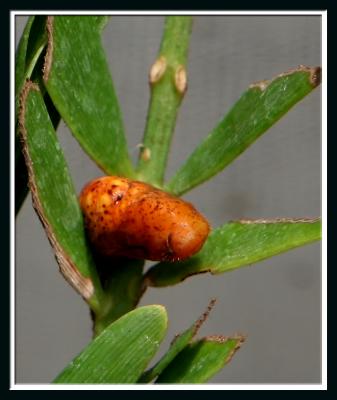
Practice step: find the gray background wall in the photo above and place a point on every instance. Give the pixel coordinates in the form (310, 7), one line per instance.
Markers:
(276, 302)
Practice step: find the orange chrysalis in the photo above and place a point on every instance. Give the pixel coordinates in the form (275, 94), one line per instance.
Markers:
(134, 219)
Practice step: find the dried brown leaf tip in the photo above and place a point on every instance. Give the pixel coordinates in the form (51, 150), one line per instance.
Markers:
(222, 339)
(136, 220)
(308, 220)
(239, 338)
(50, 48)
(314, 74)
(200, 320)
(204, 316)
(262, 85)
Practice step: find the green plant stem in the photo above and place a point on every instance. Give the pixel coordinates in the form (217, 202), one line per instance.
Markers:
(168, 85)
(122, 285)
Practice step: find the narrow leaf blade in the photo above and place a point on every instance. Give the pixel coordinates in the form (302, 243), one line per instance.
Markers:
(237, 244)
(177, 345)
(27, 60)
(263, 104)
(30, 47)
(78, 80)
(200, 360)
(101, 21)
(122, 351)
(54, 196)
(21, 177)
(20, 59)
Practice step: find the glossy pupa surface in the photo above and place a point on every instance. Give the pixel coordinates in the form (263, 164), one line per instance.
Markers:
(134, 219)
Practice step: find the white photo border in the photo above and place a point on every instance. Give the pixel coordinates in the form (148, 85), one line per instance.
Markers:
(323, 384)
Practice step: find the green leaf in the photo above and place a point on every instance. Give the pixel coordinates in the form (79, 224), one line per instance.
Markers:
(122, 351)
(200, 360)
(101, 21)
(177, 345)
(21, 177)
(27, 65)
(30, 47)
(77, 78)
(54, 196)
(237, 244)
(258, 109)
(20, 60)
(168, 86)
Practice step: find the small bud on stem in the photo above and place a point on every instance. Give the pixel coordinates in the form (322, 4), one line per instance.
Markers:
(157, 70)
(180, 79)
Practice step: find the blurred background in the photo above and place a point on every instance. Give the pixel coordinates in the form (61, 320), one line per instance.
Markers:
(276, 303)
